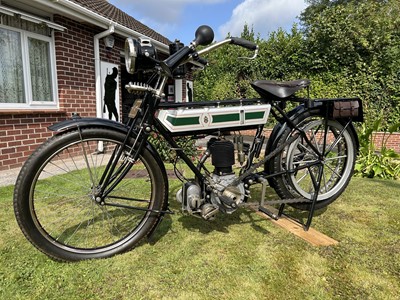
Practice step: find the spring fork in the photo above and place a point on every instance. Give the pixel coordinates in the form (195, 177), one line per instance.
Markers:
(109, 175)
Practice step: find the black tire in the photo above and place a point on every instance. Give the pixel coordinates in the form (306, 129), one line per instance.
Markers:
(55, 203)
(339, 159)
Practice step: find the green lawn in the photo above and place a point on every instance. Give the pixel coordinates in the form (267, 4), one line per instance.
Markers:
(239, 256)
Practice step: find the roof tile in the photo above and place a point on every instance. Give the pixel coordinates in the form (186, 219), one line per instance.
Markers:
(105, 9)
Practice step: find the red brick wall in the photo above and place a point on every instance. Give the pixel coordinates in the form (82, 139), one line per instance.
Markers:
(393, 141)
(22, 131)
(75, 68)
(20, 134)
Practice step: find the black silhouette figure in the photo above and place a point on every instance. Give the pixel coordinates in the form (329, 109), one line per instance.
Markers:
(189, 92)
(110, 86)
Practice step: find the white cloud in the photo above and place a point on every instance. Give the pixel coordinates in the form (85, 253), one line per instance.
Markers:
(264, 16)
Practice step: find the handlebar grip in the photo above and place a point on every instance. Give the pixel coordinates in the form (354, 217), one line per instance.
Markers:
(244, 43)
(203, 61)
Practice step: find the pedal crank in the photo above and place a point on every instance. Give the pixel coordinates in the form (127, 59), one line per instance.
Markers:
(282, 202)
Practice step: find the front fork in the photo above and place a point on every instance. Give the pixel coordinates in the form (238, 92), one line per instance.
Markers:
(112, 175)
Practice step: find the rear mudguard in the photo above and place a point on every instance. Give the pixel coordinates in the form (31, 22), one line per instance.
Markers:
(317, 109)
(74, 123)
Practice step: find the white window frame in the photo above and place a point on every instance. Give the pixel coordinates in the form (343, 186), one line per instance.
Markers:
(29, 102)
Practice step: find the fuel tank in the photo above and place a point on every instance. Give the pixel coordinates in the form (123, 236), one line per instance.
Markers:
(198, 119)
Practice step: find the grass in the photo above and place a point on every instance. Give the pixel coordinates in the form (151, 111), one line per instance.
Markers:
(238, 256)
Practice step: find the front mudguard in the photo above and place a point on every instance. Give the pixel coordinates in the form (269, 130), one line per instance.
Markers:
(87, 122)
(76, 123)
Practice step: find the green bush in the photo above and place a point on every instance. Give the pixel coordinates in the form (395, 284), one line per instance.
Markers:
(347, 48)
(164, 149)
(372, 163)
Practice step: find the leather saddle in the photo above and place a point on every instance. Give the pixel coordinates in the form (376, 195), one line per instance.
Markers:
(279, 89)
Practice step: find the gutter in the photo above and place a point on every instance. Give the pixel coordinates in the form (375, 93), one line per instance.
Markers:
(97, 68)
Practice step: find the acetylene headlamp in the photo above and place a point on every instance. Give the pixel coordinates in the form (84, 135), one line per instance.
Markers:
(139, 55)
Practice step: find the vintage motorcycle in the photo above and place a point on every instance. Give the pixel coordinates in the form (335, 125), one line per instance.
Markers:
(98, 187)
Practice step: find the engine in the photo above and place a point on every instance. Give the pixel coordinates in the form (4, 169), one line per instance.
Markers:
(218, 193)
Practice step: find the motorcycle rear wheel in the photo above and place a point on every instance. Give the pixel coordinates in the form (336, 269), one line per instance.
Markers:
(339, 148)
(56, 199)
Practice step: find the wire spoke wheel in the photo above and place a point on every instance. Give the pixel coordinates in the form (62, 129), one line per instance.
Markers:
(337, 160)
(329, 145)
(71, 218)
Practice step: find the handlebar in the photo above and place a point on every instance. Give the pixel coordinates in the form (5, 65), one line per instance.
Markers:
(232, 40)
(202, 61)
(198, 61)
(172, 62)
(244, 43)
(189, 53)
(142, 56)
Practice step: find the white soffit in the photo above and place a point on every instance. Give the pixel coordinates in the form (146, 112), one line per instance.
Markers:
(30, 18)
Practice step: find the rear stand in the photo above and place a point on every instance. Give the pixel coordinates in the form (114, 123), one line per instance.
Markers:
(316, 184)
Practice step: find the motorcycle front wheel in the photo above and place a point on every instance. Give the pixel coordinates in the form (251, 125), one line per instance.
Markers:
(57, 202)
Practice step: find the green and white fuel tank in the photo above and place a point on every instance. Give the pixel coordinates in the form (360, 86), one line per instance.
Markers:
(193, 119)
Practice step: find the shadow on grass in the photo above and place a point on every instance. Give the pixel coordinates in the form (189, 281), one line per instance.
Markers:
(301, 216)
(221, 223)
(384, 182)
(161, 230)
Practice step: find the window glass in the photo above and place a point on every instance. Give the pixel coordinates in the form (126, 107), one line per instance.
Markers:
(27, 70)
(39, 61)
(11, 68)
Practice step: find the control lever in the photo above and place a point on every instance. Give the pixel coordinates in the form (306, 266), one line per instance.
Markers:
(245, 44)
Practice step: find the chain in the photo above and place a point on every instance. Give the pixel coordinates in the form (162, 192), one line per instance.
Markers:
(287, 201)
(281, 201)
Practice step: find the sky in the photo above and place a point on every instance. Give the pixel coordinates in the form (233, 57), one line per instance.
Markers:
(179, 19)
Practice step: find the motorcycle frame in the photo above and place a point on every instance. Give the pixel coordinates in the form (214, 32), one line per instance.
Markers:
(143, 121)
(146, 122)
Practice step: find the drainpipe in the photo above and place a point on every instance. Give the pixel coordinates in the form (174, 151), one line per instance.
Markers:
(97, 69)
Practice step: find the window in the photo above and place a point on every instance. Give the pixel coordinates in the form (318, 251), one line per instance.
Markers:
(27, 68)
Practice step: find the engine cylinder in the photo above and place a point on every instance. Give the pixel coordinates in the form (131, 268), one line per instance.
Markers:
(222, 156)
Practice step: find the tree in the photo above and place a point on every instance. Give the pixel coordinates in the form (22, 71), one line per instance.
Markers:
(352, 33)
(360, 40)
(346, 47)
(229, 74)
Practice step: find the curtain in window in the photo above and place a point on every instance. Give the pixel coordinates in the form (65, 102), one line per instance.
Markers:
(17, 22)
(11, 68)
(39, 60)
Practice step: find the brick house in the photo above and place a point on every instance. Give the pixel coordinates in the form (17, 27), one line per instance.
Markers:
(54, 61)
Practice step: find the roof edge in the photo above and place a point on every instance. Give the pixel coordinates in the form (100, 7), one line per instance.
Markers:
(85, 14)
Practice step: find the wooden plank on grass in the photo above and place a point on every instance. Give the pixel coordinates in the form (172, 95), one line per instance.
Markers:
(311, 236)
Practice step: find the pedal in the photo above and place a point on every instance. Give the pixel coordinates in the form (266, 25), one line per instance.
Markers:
(208, 211)
(268, 213)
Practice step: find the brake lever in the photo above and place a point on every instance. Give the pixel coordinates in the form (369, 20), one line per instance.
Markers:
(197, 61)
(198, 64)
(251, 57)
